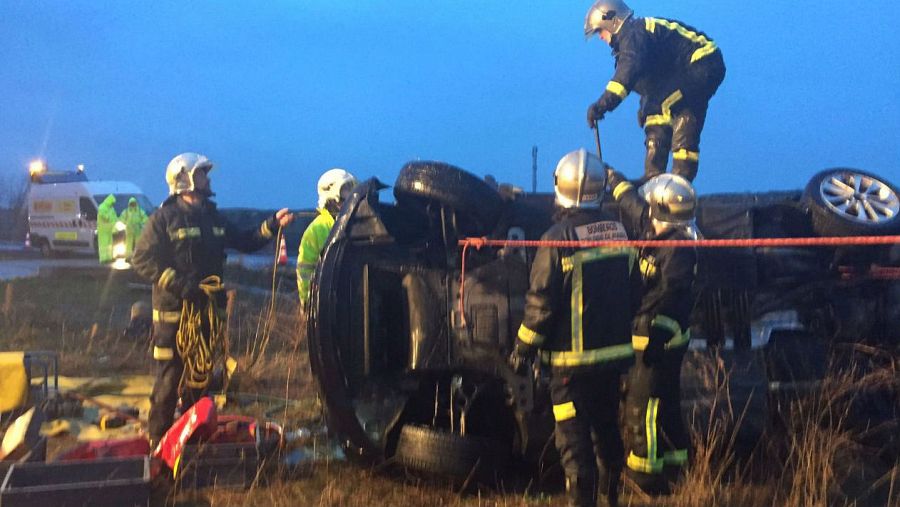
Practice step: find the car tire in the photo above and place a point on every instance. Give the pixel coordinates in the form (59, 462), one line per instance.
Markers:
(477, 204)
(434, 451)
(850, 202)
(46, 249)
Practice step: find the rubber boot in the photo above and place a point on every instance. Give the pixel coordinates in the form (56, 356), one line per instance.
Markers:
(581, 492)
(609, 485)
(658, 143)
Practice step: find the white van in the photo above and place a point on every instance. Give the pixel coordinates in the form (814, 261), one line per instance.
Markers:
(62, 210)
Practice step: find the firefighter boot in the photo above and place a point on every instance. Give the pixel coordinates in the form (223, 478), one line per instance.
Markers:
(658, 142)
(581, 491)
(686, 144)
(609, 484)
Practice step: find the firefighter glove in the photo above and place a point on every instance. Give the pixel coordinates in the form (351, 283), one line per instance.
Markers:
(187, 287)
(614, 178)
(656, 347)
(521, 359)
(595, 113)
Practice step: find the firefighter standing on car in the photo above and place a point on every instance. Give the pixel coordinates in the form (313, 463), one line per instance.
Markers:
(334, 187)
(655, 430)
(675, 68)
(578, 315)
(106, 224)
(134, 219)
(182, 251)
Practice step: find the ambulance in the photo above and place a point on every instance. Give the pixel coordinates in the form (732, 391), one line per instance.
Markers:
(62, 209)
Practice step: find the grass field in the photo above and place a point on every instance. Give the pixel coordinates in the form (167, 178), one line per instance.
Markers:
(815, 452)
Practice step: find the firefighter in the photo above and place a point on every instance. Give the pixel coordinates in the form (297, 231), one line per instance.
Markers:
(106, 224)
(134, 219)
(334, 187)
(182, 251)
(654, 427)
(674, 67)
(578, 315)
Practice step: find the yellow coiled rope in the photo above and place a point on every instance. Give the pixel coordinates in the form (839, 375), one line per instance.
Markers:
(202, 351)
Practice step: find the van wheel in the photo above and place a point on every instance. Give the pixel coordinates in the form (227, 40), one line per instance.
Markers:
(46, 249)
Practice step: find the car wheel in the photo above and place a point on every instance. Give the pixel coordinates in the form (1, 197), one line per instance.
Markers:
(439, 452)
(477, 204)
(46, 249)
(850, 202)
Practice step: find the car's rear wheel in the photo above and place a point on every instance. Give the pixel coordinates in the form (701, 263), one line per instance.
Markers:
(476, 204)
(439, 452)
(851, 202)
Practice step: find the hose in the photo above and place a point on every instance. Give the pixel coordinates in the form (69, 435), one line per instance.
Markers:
(201, 351)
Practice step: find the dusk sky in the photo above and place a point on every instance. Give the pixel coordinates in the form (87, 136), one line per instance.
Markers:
(277, 91)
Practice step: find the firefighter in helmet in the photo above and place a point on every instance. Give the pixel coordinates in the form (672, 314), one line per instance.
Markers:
(334, 187)
(654, 427)
(182, 252)
(578, 315)
(674, 67)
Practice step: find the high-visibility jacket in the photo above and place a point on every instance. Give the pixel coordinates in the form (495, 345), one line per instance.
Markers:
(134, 219)
(667, 273)
(106, 223)
(651, 52)
(581, 301)
(311, 245)
(182, 244)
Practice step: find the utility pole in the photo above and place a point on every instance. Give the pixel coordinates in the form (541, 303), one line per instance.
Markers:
(534, 169)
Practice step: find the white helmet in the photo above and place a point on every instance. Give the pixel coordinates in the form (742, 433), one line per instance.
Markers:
(579, 180)
(332, 183)
(180, 171)
(671, 198)
(607, 15)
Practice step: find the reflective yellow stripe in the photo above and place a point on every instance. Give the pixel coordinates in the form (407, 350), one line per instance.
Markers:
(676, 458)
(706, 48)
(163, 353)
(563, 412)
(648, 267)
(166, 278)
(617, 89)
(601, 355)
(621, 188)
(640, 342)
(684, 154)
(568, 264)
(166, 317)
(264, 230)
(184, 233)
(666, 117)
(650, 464)
(218, 231)
(667, 323)
(529, 336)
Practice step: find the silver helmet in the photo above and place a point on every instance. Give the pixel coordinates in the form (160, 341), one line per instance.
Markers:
(180, 171)
(671, 198)
(606, 15)
(579, 180)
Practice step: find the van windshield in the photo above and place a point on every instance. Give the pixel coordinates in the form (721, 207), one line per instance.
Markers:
(122, 202)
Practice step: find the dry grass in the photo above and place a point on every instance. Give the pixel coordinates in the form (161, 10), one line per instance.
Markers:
(819, 452)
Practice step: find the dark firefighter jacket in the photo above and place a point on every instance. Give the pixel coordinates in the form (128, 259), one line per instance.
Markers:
(667, 274)
(650, 51)
(581, 301)
(182, 245)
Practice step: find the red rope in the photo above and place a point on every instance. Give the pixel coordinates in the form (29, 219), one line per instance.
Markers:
(877, 272)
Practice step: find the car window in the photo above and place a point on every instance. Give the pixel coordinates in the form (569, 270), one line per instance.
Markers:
(87, 208)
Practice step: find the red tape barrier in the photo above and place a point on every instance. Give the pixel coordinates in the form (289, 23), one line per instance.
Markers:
(479, 243)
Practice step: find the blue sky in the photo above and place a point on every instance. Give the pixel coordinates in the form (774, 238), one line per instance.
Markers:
(276, 92)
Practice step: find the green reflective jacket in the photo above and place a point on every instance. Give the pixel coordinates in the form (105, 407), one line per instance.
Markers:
(106, 215)
(311, 246)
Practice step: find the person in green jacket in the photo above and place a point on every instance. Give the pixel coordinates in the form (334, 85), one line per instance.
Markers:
(106, 224)
(334, 187)
(134, 219)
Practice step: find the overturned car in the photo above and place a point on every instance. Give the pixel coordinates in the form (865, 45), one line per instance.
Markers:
(410, 358)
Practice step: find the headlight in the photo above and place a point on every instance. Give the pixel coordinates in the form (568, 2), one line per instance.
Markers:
(119, 250)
